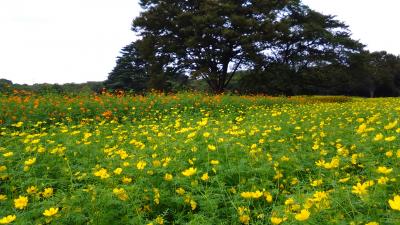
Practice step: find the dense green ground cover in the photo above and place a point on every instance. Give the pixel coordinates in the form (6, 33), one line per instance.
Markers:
(197, 159)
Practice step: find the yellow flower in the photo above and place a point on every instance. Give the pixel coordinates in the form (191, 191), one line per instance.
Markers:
(118, 171)
(193, 204)
(214, 162)
(289, 201)
(159, 220)
(268, 196)
(395, 203)
(276, 220)
(278, 175)
(316, 183)
(391, 125)
(303, 215)
(102, 173)
(180, 191)
(8, 154)
(372, 223)
(245, 219)
(391, 138)
(319, 196)
(211, 148)
(369, 183)
(50, 212)
(378, 137)
(383, 180)
(19, 124)
(31, 190)
(8, 219)
(389, 154)
(344, 180)
(384, 170)
(189, 172)
(126, 180)
(168, 177)
(334, 163)
(362, 128)
(141, 165)
(257, 194)
(21, 202)
(48, 192)
(246, 194)
(191, 135)
(30, 162)
(205, 177)
(3, 197)
(360, 189)
(120, 193)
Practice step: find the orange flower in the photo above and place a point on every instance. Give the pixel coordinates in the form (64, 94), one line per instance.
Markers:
(107, 114)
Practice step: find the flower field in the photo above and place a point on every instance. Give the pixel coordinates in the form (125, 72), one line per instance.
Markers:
(198, 159)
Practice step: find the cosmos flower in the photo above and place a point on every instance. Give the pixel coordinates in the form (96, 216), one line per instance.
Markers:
(303, 215)
(50, 212)
(8, 219)
(102, 173)
(205, 177)
(189, 172)
(168, 177)
(48, 192)
(141, 165)
(21, 202)
(276, 220)
(395, 203)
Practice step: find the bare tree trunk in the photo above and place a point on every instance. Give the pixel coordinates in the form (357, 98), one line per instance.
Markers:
(371, 93)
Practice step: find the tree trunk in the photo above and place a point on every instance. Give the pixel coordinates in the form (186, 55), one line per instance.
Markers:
(371, 93)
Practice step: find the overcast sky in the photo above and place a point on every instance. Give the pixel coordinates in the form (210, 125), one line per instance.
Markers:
(61, 41)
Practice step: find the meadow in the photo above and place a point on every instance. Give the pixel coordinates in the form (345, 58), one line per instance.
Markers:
(198, 159)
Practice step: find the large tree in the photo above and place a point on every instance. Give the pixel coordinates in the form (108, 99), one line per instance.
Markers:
(213, 39)
(210, 39)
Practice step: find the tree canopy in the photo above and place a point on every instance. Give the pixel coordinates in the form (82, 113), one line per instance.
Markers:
(283, 43)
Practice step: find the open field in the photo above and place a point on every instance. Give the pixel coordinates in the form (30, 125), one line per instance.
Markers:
(198, 159)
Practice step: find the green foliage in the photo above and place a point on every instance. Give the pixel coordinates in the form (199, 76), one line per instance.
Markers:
(364, 74)
(44, 89)
(106, 158)
(376, 73)
(212, 40)
(138, 69)
(269, 47)
(6, 86)
(129, 73)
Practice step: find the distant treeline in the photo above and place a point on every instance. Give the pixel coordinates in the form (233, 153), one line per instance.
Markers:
(8, 87)
(367, 74)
